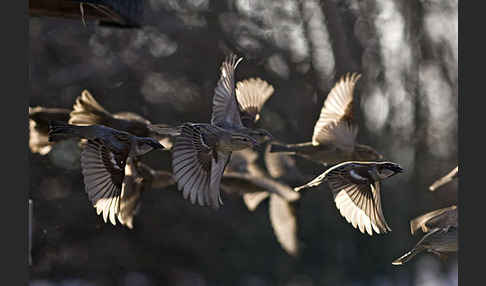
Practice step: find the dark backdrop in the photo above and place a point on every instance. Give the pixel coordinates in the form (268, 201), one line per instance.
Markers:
(406, 107)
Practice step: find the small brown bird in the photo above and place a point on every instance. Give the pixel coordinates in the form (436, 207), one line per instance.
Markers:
(245, 177)
(334, 138)
(442, 229)
(87, 111)
(446, 179)
(251, 95)
(202, 151)
(356, 190)
(139, 178)
(103, 161)
(39, 118)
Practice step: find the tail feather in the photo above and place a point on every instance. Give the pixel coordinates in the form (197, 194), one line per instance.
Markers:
(280, 148)
(59, 130)
(407, 256)
(87, 111)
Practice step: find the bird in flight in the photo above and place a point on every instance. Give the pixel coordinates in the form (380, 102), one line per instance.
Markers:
(103, 161)
(441, 227)
(202, 150)
(356, 190)
(87, 111)
(334, 138)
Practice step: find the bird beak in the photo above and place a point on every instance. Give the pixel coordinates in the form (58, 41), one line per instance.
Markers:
(398, 169)
(157, 145)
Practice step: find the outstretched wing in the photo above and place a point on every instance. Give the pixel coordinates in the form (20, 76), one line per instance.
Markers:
(359, 203)
(103, 171)
(197, 167)
(337, 106)
(225, 107)
(440, 218)
(284, 223)
(252, 95)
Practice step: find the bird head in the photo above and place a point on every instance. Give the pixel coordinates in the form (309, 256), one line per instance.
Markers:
(260, 135)
(241, 141)
(387, 169)
(146, 144)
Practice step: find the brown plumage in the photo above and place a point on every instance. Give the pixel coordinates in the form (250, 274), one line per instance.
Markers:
(441, 227)
(87, 111)
(334, 138)
(356, 190)
(103, 161)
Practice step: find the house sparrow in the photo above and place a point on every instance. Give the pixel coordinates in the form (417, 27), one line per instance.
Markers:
(87, 111)
(441, 227)
(446, 179)
(201, 151)
(334, 138)
(103, 161)
(356, 190)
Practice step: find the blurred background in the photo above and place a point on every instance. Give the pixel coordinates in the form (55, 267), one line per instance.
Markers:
(166, 70)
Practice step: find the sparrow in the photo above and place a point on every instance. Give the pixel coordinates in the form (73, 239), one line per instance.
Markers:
(441, 227)
(103, 161)
(334, 138)
(446, 179)
(139, 178)
(39, 118)
(251, 95)
(202, 150)
(356, 190)
(245, 177)
(87, 111)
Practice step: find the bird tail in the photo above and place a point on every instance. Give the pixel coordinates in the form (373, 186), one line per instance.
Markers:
(280, 148)
(407, 256)
(59, 130)
(87, 111)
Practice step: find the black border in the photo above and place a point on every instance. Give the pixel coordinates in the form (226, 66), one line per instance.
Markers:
(15, 171)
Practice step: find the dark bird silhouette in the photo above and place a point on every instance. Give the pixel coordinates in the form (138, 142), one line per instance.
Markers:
(441, 227)
(445, 180)
(334, 138)
(356, 190)
(87, 111)
(39, 118)
(103, 161)
(201, 151)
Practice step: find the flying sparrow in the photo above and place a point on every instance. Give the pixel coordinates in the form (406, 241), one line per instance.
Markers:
(356, 190)
(441, 227)
(103, 161)
(334, 138)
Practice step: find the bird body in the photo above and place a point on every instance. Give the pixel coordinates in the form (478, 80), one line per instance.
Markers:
(355, 186)
(103, 161)
(334, 137)
(202, 151)
(87, 111)
(441, 227)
